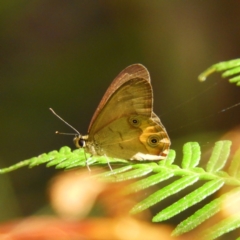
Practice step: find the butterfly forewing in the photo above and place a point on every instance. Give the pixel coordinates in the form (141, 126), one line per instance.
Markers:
(130, 72)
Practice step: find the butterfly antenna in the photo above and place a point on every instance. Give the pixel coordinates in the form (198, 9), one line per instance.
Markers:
(65, 123)
(62, 133)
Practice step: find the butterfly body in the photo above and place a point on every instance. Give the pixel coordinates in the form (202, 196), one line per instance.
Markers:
(124, 125)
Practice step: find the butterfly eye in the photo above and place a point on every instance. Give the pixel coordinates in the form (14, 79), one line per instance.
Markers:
(153, 140)
(81, 142)
(135, 121)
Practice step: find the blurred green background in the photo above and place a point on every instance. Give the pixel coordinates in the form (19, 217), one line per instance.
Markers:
(64, 54)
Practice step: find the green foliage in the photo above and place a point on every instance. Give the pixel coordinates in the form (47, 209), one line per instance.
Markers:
(210, 178)
(230, 69)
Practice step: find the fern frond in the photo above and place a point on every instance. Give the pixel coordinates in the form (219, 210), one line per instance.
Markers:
(165, 192)
(189, 173)
(234, 169)
(230, 69)
(207, 211)
(64, 158)
(229, 224)
(219, 156)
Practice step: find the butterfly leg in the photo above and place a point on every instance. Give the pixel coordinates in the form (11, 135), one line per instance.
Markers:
(87, 165)
(86, 160)
(108, 162)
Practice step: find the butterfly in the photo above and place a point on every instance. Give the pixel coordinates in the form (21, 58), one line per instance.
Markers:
(124, 124)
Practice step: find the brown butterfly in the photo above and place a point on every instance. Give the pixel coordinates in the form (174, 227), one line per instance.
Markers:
(124, 124)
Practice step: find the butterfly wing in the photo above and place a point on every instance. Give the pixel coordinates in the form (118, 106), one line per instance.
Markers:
(124, 125)
(130, 72)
